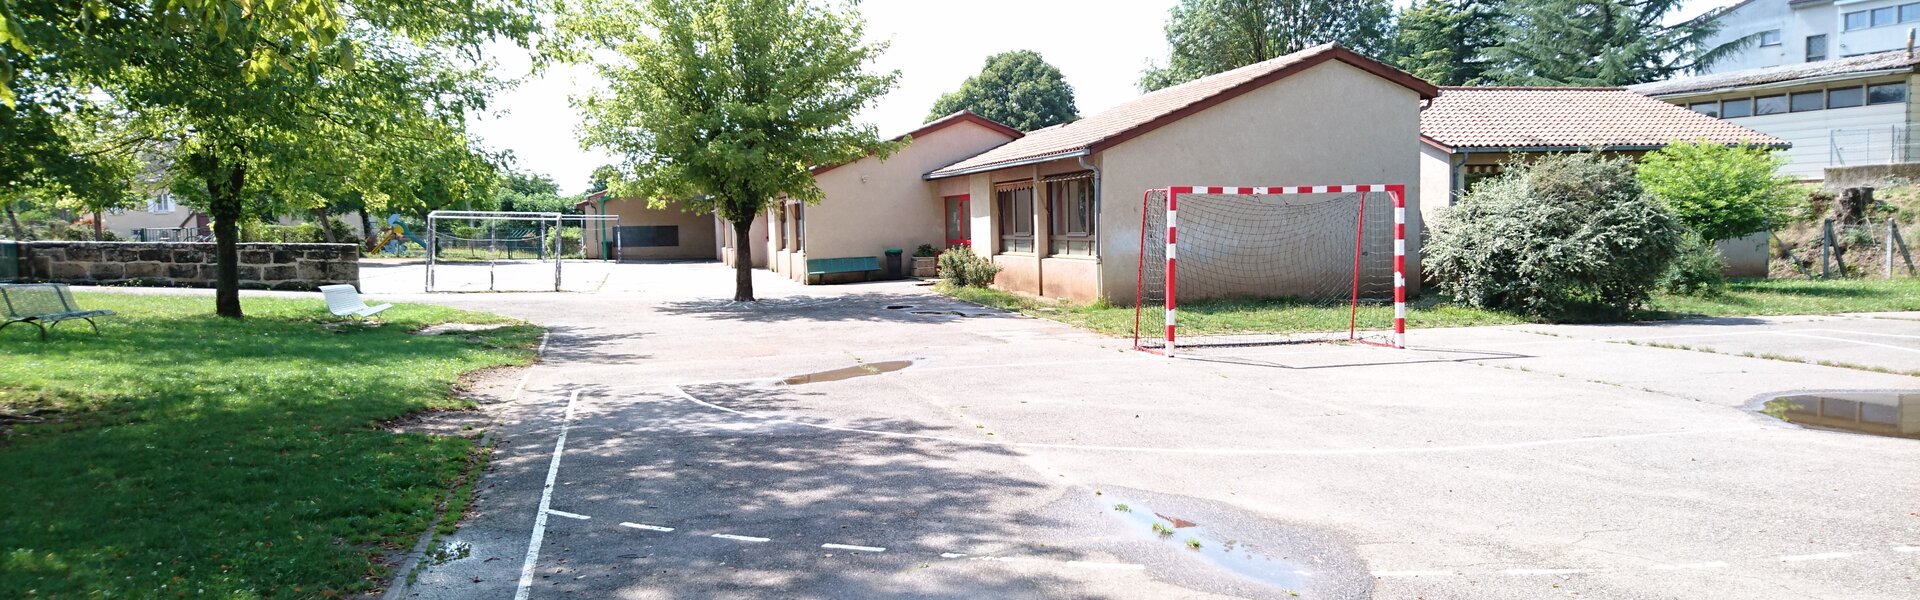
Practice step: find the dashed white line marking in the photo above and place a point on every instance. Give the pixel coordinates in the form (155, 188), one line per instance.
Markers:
(1820, 556)
(684, 395)
(951, 555)
(1543, 571)
(646, 527)
(1686, 566)
(854, 548)
(740, 538)
(562, 513)
(1087, 564)
(1906, 548)
(546, 504)
(1835, 339)
(1412, 573)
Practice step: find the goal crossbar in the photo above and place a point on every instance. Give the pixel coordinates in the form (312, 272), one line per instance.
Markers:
(1171, 282)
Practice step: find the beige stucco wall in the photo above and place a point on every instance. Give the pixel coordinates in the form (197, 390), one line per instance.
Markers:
(872, 205)
(1747, 256)
(1330, 124)
(757, 236)
(1436, 181)
(696, 230)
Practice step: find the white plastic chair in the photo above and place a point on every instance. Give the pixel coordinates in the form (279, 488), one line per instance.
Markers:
(343, 300)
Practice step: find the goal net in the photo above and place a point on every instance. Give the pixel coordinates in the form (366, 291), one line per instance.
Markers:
(1233, 267)
(494, 251)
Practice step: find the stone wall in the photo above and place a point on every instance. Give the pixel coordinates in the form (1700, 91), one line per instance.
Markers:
(189, 264)
(1840, 178)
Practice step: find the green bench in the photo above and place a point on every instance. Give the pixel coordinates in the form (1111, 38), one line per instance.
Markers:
(829, 266)
(44, 305)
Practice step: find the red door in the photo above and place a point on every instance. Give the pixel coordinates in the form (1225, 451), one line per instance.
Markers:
(959, 222)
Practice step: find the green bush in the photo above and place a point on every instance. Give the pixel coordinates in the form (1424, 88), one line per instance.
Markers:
(1697, 270)
(961, 267)
(1722, 192)
(925, 251)
(1570, 237)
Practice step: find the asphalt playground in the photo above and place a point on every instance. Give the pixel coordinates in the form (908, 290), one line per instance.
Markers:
(877, 440)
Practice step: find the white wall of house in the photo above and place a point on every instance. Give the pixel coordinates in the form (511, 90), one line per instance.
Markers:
(1799, 25)
(1870, 134)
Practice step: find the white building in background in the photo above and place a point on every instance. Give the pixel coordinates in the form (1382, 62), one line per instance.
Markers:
(1802, 31)
(1841, 112)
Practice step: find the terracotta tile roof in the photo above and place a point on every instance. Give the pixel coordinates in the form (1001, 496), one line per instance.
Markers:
(964, 116)
(1150, 111)
(1896, 60)
(1506, 117)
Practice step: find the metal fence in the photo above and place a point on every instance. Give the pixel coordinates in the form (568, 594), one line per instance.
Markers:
(1872, 146)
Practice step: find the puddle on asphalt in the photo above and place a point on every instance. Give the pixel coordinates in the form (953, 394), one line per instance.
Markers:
(1229, 555)
(1892, 414)
(859, 370)
(448, 552)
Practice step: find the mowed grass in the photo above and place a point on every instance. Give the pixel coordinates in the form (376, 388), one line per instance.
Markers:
(1213, 317)
(192, 456)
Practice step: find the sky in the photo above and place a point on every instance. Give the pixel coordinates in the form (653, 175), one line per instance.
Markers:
(934, 44)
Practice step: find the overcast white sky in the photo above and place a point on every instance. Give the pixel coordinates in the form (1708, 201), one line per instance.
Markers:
(935, 45)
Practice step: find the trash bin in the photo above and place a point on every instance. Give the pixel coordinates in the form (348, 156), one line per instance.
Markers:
(894, 268)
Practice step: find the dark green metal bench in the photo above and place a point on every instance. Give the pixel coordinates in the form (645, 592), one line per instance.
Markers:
(856, 264)
(44, 305)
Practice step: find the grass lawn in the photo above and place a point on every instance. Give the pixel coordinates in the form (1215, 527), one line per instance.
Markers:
(1742, 298)
(196, 456)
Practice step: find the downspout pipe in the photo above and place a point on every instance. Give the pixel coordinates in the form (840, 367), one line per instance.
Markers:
(1099, 281)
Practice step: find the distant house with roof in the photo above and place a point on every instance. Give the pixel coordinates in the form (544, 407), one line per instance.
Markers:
(1845, 112)
(1471, 133)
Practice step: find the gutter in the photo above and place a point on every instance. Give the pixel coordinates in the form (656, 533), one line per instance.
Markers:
(1733, 87)
(1009, 164)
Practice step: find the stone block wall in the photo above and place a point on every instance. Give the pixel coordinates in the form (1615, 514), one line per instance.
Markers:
(189, 264)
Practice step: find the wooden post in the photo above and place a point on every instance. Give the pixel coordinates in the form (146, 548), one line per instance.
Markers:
(1826, 248)
(1886, 266)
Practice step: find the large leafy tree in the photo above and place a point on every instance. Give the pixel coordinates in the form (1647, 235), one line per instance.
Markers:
(1719, 191)
(725, 105)
(1445, 41)
(1212, 36)
(263, 94)
(1018, 88)
(1599, 43)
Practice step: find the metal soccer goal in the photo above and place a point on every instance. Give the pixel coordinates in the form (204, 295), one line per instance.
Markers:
(499, 251)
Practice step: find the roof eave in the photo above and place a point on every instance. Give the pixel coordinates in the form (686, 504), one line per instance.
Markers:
(1601, 147)
(1784, 83)
(943, 174)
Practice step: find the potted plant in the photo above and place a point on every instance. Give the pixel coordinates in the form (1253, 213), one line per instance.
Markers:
(925, 261)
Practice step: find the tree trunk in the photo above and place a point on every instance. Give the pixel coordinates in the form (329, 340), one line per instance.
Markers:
(99, 227)
(224, 183)
(19, 233)
(366, 226)
(326, 224)
(743, 260)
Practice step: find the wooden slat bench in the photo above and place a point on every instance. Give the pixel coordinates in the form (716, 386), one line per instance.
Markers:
(45, 306)
(854, 264)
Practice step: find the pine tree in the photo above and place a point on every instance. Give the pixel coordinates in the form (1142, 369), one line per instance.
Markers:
(1445, 41)
(1599, 43)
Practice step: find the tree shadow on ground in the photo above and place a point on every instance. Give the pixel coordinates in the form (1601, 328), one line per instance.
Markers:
(660, 460)
(855, 307)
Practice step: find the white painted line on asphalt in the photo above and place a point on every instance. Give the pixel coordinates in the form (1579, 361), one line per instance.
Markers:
(1873, 333)
(1906, 548)
(1543, 571)
(1413, 573)
(546, 504)
(682, 393)
(951, 555)
(646, 527)
(562, 513)
(1690, 566)
(854, 548)
(740, 538)
(1820, 556)
(1835, 339)
(1087, 564)
(522, 386)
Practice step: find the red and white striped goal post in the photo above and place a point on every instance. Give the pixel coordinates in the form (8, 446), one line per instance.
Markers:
(1397, 191)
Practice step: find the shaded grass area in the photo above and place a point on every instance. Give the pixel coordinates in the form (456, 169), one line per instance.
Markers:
(1742, 298)
(188, 455)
